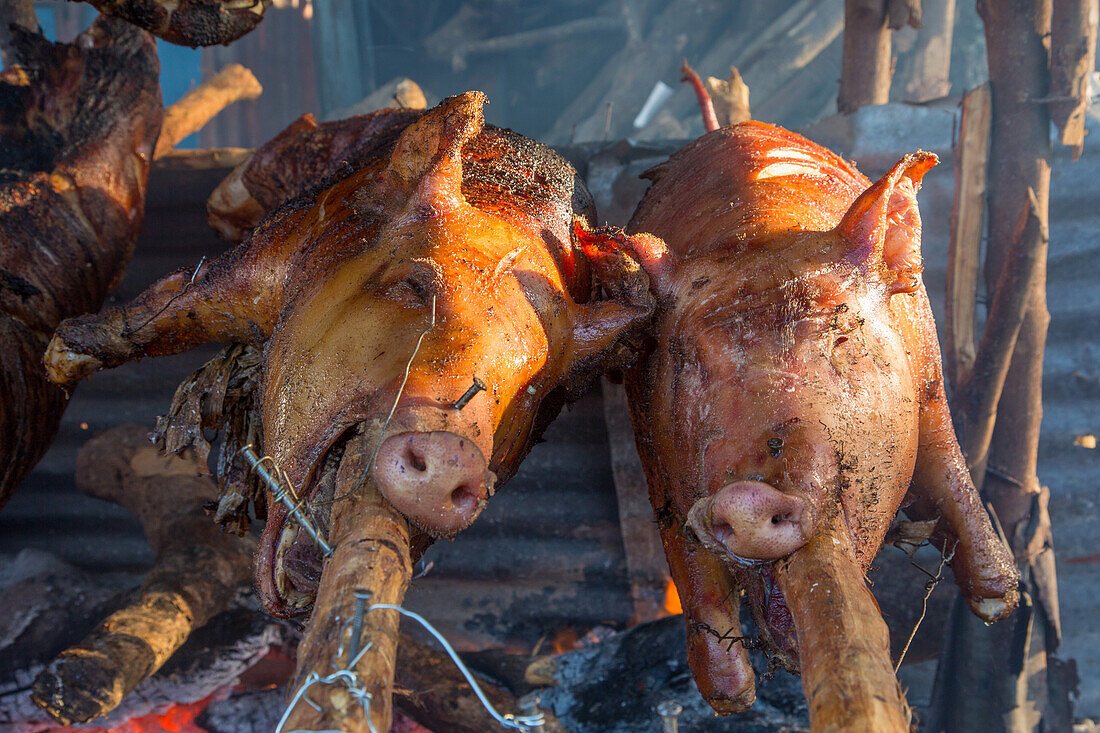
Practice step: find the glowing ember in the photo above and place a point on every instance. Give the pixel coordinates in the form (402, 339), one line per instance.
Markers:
(672, 599)
(177, 719)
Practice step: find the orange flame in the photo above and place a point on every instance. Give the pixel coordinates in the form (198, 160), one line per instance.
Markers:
(177, 719)
(672, 605)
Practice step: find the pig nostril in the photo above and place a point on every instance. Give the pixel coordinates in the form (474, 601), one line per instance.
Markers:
(464, 498)
(414, 459)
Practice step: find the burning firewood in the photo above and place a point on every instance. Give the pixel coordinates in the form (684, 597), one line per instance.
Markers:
(197, 572)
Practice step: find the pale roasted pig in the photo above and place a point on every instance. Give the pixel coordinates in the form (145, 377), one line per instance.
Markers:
(793, 385)
(434, 252)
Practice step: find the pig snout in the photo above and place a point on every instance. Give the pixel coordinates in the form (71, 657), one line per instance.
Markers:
(439, 479)
(752, 520)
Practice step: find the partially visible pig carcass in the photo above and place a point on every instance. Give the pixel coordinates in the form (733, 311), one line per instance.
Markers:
(78, 123)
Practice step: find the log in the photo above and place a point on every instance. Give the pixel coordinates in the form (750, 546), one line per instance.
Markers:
(843, 643)
(197, 573)
(201, 160)
(924, 73)
(1072, 59)
(371, 553)
(964, 251)
(730, 98)
(431, 690)
(198, 106)
(865, 66)
(993, 678)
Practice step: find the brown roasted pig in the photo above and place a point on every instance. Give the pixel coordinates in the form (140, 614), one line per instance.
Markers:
(792, 396)
(78, 123)
(440, 253)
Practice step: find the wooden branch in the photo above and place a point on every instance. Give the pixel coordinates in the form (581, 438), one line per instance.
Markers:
(866, 65)
(964, 251)
(202, 159)
(646, 569)
(978, 397)
(924, 74)
(198, 106)
(730, 98)
(429, 689)
(1072, 59)
(371, 552)
(843, 643)
(901, 13)
(197, 572)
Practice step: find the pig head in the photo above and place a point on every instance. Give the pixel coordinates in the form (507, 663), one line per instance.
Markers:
(447, 259)
(793, 378)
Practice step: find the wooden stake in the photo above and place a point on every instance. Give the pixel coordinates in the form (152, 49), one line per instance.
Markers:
(198, 106)
(371, 553)
(197, 572)
(866, 66)
(843, 643)
(730, 98)
(1072, 59)
(964, 252)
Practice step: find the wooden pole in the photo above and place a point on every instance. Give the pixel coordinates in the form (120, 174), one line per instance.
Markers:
(371, 553)
(843, 643)
(865, 66)
(197, 572)
(1072, 60)
(986, 677)
(924, 74)
(201, 104)
(967, 217)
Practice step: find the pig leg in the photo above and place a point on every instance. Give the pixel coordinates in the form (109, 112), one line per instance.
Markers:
(234, 298)
(983, 565)
(712, 605)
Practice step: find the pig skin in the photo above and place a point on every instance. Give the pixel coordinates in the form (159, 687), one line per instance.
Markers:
(794, 349)
(435, 214)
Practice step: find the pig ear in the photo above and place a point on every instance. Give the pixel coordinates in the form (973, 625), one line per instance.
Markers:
(609, 244)
(425, 168)
(606, 326)
(883, 228)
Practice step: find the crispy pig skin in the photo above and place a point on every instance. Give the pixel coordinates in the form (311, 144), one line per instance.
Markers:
(794, 345)
(337, 280)
(77, 127)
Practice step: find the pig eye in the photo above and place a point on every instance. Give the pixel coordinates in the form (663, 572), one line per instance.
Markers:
(775, 446)
(416, 284)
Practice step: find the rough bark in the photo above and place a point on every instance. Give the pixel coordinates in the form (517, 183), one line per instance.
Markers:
(197, 572)
(866, 65)
(371, 552)
(993, 678)
(198, 106)
(1072, 59)
(843, 643)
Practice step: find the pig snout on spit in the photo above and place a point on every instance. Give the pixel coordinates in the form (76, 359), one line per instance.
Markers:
(751, 520)
(439, 478)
